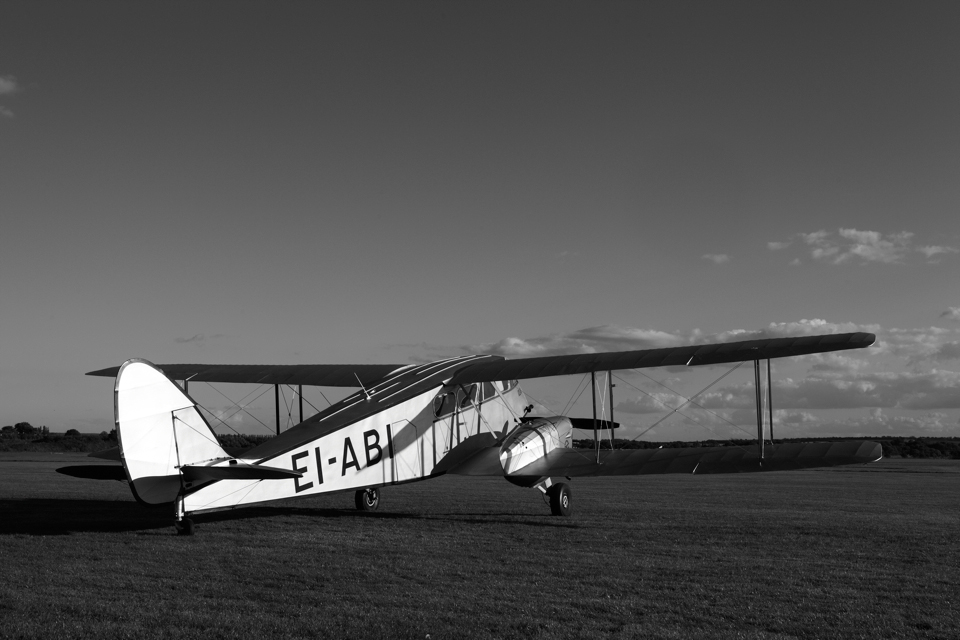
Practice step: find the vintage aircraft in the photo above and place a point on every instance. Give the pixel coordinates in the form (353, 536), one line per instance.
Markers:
(465, 415)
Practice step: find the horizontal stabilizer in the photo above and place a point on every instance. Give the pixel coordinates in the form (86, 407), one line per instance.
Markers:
(589, 424)
(698, 460)
(239, 471)
(95, 472)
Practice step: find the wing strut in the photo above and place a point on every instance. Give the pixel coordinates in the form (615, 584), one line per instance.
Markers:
(593, 393)
(609, 423)
(770, 400)
(759, 397)
(611, 386)
(276, 405)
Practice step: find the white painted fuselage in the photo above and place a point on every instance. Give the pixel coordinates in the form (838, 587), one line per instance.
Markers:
(395, 442)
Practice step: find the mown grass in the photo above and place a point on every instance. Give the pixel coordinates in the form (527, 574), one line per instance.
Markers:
(856, 552)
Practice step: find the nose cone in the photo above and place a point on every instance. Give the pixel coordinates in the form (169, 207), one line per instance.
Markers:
(533, 440)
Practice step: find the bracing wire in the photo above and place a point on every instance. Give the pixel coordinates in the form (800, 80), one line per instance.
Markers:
(573, 400)
(666, 406)
(240, 407)
(287, 407)
(687, 401)
(313, 406)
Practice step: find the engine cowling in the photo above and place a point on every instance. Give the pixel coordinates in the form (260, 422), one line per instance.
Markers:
(534, 439)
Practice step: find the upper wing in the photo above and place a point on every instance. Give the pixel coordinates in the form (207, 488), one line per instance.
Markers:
(322, 375)
(523, 368)
(346, 375)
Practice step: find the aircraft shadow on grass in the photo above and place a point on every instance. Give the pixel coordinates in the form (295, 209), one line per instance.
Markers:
(51, 516)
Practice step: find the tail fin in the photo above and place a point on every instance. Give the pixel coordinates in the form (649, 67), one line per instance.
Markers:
(160, 430)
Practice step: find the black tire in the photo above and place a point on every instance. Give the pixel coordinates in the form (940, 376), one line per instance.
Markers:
(367, 499)
(560, 499)
(185, 527)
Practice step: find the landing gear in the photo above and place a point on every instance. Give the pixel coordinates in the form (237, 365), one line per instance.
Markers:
(184, 527)
(560, 497)
(367, 499)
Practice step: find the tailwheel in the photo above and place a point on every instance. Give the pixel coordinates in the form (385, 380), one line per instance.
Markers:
(185, 527)
(367, 499)
(560, 497)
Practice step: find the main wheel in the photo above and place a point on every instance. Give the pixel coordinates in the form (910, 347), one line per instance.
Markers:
(184, 527)
(367, 499)
(560, 497)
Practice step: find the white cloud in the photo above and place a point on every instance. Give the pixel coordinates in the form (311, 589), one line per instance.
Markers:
(717, 258)
(953, 313)
(658, 402)
(916, 345)
(900, 390)
(838, 363)
(851, 245)
(871, 246)
(783, 416)
(199, 338)
(932, 250)
(8, 85)
(589, 340)
(816, 238)
(948, 351)
(616, 338)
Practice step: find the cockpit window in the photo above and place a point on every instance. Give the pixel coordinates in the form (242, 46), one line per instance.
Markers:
(443, 404)
(463, 397)
(488, 391)
(467, 399)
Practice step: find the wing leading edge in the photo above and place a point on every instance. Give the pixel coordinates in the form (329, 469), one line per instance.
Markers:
(346, 375)
(322, 375)
(719, 353)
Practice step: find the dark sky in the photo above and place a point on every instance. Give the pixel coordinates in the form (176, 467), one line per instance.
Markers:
(364, 182)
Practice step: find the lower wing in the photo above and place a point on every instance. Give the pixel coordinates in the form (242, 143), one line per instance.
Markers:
(733, 459)
(627, 462)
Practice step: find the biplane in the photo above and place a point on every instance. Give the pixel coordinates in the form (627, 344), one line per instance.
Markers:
(406, 423)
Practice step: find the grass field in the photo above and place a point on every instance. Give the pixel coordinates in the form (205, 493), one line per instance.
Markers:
(854, 552)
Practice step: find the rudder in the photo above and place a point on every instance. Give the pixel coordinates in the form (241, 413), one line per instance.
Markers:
(159, 430)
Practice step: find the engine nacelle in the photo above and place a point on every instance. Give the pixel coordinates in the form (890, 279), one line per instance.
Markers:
(534, 439)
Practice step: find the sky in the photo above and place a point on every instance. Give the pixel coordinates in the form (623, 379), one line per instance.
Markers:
(359, 182)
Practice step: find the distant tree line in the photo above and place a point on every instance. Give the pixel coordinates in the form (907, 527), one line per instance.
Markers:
(25, 437)
(23, 430)
(896, 447)
(236, 443)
